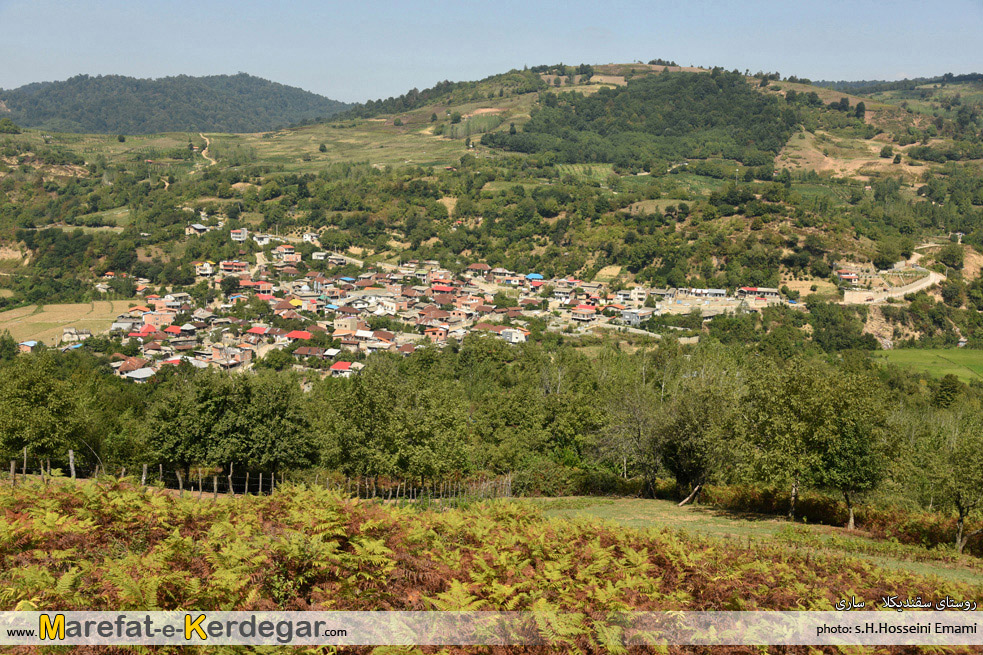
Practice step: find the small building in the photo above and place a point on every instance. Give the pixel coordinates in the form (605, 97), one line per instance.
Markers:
(341, 369)
(708, 293)
(759, 292)
(239, 235)
(583, 313)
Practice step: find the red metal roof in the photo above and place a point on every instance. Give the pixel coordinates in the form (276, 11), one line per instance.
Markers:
(341, 366)
(299, 334)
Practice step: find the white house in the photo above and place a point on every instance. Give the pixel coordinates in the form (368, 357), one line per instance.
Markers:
(239, 235)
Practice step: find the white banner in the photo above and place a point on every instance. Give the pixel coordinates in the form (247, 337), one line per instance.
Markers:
(871, 628)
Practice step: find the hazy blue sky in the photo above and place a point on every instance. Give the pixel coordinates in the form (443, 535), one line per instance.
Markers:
(373, 48)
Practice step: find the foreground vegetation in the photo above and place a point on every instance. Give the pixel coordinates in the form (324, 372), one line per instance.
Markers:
(107, 545)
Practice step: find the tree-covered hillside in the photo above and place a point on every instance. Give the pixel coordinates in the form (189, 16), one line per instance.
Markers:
(658, 117)
(118, 104)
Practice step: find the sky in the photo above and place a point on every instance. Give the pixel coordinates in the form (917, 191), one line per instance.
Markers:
(362, 49)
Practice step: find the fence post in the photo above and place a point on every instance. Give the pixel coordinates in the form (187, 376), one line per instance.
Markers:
(260, 483)
(160, 473)
(13, 473)
(143, 478)
(215, 487)
(71, 462)
(23, 471)
(246, 490)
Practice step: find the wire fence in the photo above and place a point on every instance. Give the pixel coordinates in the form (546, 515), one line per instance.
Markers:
(211, 482)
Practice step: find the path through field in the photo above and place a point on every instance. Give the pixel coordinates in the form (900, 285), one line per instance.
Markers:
(204, 153)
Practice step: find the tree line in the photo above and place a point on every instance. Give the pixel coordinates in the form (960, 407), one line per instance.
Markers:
(705, 415)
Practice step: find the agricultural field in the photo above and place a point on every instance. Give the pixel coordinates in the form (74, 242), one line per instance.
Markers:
(46, 322)
(964, 363)
(377, 141)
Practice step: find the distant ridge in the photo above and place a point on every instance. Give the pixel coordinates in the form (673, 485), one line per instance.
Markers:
(113, 104)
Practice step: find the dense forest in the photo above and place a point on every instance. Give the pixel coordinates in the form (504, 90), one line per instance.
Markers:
(114, 104)
(658, 118)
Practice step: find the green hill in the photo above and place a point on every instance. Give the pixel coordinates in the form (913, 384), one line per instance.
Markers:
(113, 104)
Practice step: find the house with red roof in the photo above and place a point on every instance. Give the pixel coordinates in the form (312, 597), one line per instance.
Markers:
(341, 369)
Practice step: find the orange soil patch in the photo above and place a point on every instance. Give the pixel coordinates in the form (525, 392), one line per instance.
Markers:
(485, 110)
(448, 202)
(972, 263)
(608, 79)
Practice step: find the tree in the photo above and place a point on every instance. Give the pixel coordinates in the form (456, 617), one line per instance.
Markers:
(121, 138)
(456, 117)
(947, 392)
(786, 410)
(851, 441)
(182, 423)
(630, 399)
(861, 110)
(951, 255)
(699, 418)
(7, 126)
(951, 457)
(322, 148)
(38, 410)
(276, 359)
(229, 285)
(433, 117)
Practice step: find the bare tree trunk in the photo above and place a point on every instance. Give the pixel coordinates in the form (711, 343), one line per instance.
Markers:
(71, 463)
(850, 525)
(960, 523)
(180, 482)
(143, 477)
(693, 494)
(794, 497)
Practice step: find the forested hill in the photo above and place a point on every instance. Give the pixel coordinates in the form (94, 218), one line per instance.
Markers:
(127, 105)
(661, 117)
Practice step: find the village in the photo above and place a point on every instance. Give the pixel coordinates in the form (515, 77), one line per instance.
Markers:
(338, 320)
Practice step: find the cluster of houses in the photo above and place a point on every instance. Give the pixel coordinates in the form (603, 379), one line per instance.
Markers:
(419, 302)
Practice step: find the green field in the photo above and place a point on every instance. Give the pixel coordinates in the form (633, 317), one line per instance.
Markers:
(702, 521)
(965, 364)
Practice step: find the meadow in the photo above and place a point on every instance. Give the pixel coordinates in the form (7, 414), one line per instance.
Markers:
(46, 322)
(748, 528)
(964, 363)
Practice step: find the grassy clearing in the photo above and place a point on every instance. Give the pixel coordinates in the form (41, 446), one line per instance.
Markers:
(965, 364)
(596, 172)
(749, 529)
(368, 141)
(46, 322)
